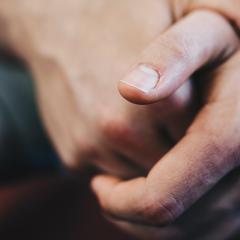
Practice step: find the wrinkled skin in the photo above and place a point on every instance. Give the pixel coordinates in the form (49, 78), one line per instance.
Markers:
(78, 52)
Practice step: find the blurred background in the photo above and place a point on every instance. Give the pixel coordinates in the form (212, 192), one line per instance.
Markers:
(38, 200)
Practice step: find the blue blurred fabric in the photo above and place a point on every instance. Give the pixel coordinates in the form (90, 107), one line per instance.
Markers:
(24, 146)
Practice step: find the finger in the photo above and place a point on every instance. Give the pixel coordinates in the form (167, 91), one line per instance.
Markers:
(118, 199)
(175, 183)
(229, 9)
(196, 40)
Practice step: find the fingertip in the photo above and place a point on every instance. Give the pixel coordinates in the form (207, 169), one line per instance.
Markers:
(130, 93)
(139, 83)
(103, 183)
(145, 85)
(136, 95)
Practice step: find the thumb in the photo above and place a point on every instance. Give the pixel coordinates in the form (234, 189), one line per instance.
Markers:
(180, 178)
(199, 39)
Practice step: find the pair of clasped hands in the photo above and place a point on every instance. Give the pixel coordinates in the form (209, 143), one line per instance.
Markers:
(166, 158)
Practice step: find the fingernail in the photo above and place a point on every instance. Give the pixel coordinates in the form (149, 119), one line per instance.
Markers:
(143, 78)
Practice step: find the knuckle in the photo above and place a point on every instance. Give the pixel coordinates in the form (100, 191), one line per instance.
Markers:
(162, 211)
(115, 129)
(78, 153)
(176, 47)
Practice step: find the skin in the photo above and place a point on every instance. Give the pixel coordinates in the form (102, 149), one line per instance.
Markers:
(203, 156)
(208, 151)
(213, 217)
(116, 136)
(75, 75)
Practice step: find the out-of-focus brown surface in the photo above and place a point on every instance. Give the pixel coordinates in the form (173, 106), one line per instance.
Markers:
(52, 208)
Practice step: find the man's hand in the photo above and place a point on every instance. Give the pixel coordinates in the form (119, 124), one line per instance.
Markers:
(209, 150)
(77, 52)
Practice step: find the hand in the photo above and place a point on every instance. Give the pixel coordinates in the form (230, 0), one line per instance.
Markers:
(77, 52)
(213, 217)
(208, 151)
(47, 39)
(75, 78)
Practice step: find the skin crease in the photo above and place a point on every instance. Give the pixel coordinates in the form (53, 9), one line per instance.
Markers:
(73, 74)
